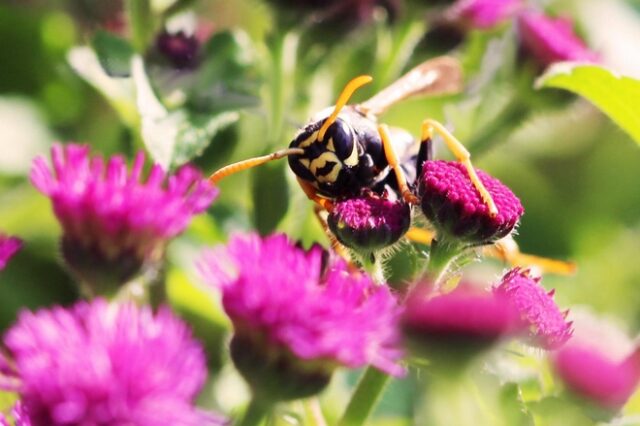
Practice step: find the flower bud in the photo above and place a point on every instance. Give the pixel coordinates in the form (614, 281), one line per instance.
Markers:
(370, 222)
(455, 208)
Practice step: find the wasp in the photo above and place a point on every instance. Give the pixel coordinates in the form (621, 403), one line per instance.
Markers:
(344, 150)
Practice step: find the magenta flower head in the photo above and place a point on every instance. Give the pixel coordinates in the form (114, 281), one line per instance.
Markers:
(547, 326)
(551, 40)
(114, 220)
(455, 208)
(296, 317)
(483, 14)
(180, 49)
(370, 222)
(451, 329)
(97, 363)
(9, 246)
(596, 378)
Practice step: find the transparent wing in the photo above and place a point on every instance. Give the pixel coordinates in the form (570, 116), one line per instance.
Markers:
(438, 76)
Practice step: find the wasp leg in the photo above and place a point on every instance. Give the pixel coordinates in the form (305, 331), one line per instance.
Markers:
(392, 159)
(312, 194)
(462, 155)
(336, 246)
(507, 250)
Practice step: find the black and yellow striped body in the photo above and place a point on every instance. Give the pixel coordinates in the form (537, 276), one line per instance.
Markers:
(350, 157)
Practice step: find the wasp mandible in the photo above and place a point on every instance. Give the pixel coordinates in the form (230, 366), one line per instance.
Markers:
(344, 150)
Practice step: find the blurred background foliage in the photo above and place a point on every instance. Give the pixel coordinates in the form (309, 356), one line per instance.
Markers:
(259, 75)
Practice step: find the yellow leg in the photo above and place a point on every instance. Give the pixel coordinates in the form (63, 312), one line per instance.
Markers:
(506, 250)
(336, 246)
(462, 155)
(252, 162)
(392, 159)
(312, 194)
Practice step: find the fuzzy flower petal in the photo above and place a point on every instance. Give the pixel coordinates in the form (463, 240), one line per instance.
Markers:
(9, 246)
(97, 363)
(454, 206)
(547, 325)
(552, 39)
(591, 374)
(273, 288)
(484, 14)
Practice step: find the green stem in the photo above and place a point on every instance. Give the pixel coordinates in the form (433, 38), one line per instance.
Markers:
(373, 265)
(140, 22)
(441, 255)
(365, 397)
(255, 413)
(283, 48)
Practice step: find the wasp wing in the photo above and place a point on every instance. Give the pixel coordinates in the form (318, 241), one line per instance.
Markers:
(438, 76)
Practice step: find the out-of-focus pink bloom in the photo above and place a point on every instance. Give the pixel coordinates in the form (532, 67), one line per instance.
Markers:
(546, 324)
(589, 373)
(9, 246)
(552, 39)
(282, 295)
(483, 14)
(454, 206)
(179, 48)
(369, 222)
(112, 216)
(97, 363)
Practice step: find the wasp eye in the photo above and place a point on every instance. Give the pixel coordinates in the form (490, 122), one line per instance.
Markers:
(342, 137)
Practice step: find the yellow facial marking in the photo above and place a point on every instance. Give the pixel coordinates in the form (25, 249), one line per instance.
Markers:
(331, 176)
(308, 141)
(352, 160)
(322, 160)
(330, 145)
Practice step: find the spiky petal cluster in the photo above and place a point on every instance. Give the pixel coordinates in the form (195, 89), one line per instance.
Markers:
(591, 374)
(454, 206)
(9, 246)
(112, 217)
(97, 363)
(369, 222)
(280, 293)
(551, 39)
(547, 326)
(484, 14)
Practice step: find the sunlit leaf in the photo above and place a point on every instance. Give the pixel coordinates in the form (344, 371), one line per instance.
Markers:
(114, 54)
(617, 96)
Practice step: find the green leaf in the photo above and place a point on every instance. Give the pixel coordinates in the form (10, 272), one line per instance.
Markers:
(114, 54)
(617, 96)
(196, 133)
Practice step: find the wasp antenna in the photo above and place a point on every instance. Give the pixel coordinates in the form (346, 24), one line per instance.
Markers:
(251, 163)
(347, 92)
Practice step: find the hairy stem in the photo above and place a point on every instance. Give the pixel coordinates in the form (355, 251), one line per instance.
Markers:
(365, 397)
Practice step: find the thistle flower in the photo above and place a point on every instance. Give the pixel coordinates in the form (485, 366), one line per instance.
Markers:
(455, 208)
(451, 329)
(296, 321)
(9, 246)
(597, 378)
(369, 222)
(547, 326)
(113, 220)
(97, 363)
(552, 39)
(483, 14)
(180, 49)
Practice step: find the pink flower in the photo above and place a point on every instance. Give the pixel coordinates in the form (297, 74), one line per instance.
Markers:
(113, 219)
(552, 39)
(546, 324)
(97, 363)
(285, 296)
(453, 205)
(9, 246)
(484, 14)
(592, 375)
(369, 222)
